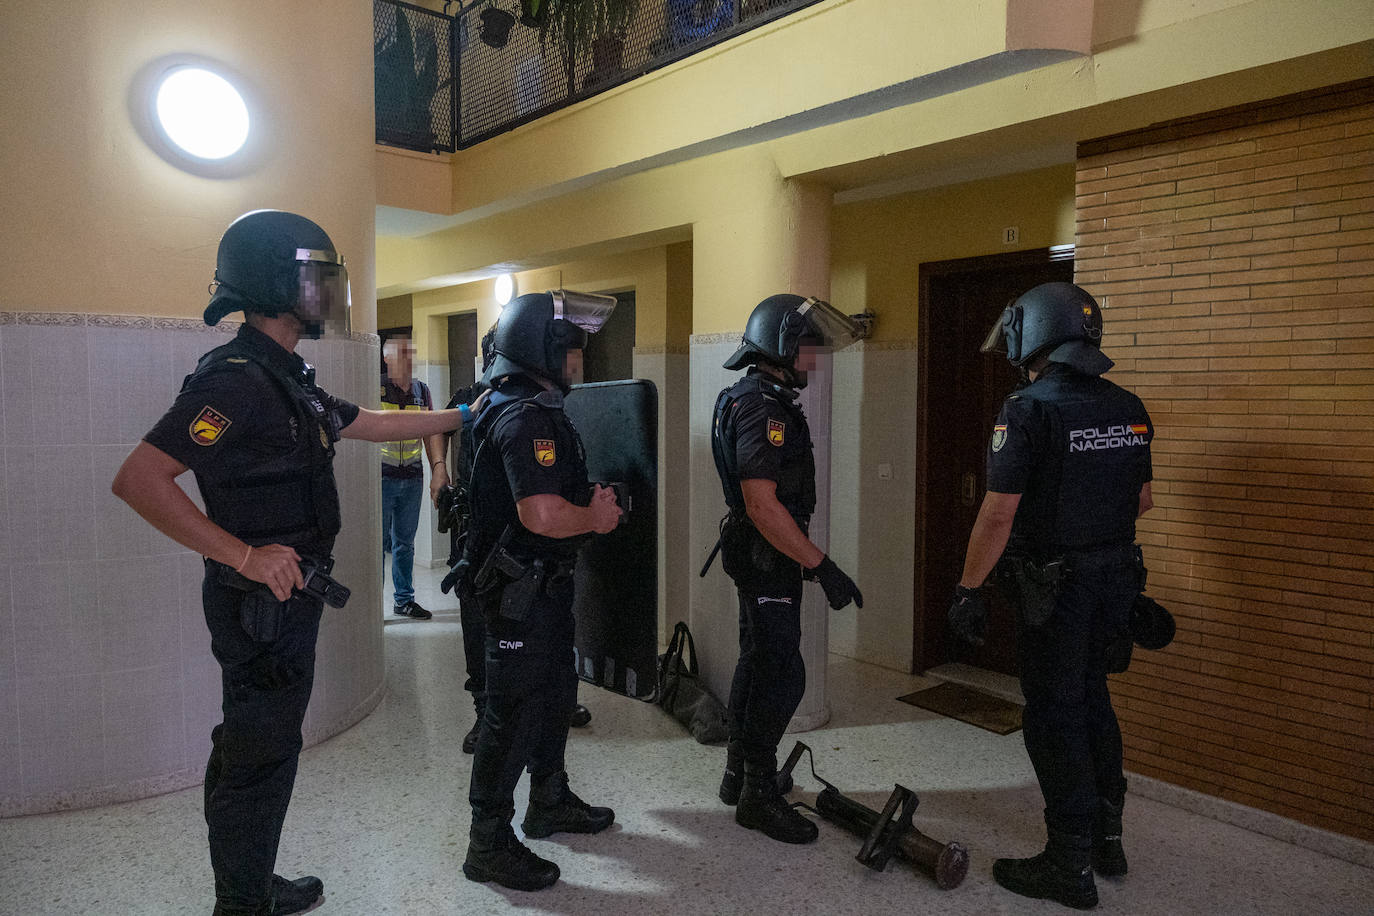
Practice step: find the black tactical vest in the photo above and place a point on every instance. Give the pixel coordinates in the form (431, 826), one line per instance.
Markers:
(286, 496)
(493, 503)
(1084, 493)
(797, 470)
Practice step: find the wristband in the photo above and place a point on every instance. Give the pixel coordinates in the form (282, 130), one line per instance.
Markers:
(244, 562)
(465, 412)
(435, 464)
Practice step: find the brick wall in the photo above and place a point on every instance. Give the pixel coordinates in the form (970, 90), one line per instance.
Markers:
(1234, 258)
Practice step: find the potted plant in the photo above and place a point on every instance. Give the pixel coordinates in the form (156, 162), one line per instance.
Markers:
(582, 26)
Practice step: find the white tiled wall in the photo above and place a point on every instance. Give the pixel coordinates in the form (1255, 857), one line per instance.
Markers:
(108, 690)
(873, 528)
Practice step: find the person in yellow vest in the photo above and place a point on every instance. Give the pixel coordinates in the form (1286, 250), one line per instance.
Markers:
(403, 473)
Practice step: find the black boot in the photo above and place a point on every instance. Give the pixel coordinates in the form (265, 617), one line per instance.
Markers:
(494, 854)
(761, 807)
(581, 716)
(733, 778)
(1109, 856)
(294, 896)
(554, 808)
(470, 739)
(1063, 872)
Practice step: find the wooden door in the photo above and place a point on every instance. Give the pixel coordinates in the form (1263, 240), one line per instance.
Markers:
(961, 391)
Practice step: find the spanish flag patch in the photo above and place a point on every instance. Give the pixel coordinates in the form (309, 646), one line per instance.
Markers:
(775, 431)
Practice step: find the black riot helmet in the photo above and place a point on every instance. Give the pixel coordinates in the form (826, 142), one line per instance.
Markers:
(536, 331)
(779, 325)
(274, 262)
(1057, 321)
(488, 347)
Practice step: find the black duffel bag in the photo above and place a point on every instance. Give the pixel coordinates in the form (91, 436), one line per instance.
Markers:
(684, 696)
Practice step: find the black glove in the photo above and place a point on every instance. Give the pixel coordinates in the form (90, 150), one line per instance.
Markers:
(839, 588)
(445, 510)
(968, 615)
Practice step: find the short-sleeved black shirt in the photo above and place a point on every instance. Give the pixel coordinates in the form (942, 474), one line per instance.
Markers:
(224, 423)
(1077, 449)
(773, 442)
(540, 453)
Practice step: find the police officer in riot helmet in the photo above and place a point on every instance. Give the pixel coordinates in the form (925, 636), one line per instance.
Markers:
(259, 435)
(532, 509)
(763, 453)
(1068, 474)
(455, 516)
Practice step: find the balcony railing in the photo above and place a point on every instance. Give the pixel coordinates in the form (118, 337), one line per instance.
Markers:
(414, 71)
(447, 83)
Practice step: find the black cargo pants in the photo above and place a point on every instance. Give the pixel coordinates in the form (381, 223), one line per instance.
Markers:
(252, 765)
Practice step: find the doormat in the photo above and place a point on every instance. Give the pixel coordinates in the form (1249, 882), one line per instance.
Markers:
(968, 704)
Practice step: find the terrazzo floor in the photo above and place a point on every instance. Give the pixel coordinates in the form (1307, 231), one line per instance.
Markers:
(379, 814)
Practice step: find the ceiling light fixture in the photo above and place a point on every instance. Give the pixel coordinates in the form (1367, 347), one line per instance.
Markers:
(201, 113)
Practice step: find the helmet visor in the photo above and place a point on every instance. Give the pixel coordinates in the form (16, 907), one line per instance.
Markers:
(586, 310)
(996, 341)
(833, 328)
(323, 297)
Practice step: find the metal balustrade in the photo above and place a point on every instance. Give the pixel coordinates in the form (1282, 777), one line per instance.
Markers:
(449, 82)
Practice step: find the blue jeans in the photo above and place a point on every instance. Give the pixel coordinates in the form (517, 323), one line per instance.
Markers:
(400, 518)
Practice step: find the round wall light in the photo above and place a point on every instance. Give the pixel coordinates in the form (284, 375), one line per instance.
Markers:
(505, 288)
(201, 113)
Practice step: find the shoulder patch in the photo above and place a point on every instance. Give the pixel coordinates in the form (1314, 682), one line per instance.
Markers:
(999, 437)
(544, 452)
(776, 430)
(208, 426)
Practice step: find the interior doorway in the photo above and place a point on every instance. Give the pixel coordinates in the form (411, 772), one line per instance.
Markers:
(960, 392)
(609, 354)
(463, 342)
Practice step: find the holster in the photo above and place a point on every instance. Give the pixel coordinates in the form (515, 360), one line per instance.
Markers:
(1031, 586)
(745, 554)
(260, 613)
(519, 595)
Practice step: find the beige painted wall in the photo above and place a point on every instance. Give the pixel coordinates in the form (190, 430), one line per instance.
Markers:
(394, 312)
(95, 220)
(879, 245)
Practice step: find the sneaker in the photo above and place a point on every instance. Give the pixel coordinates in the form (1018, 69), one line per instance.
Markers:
(411, 609)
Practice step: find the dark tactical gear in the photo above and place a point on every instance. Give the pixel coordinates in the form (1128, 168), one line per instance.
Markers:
(761, 807)
(770, 677)
(523, 584)
(537, 330)
(271, 262)
(460, 575)
(779, 325)
(1061, 873)
(258, 434)
(1058, 321)
(1077, 449)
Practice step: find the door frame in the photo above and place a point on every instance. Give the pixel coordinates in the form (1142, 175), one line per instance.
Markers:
(927, 273)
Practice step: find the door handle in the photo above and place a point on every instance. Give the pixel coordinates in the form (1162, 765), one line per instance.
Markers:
(970, 488)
